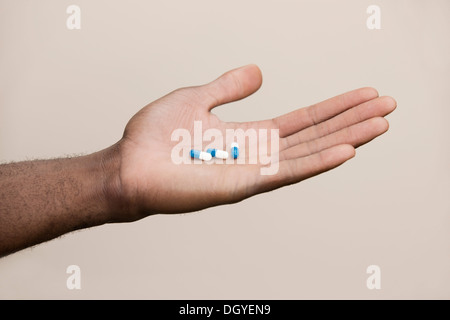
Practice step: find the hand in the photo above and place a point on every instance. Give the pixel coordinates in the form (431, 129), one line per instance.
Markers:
(312, 140)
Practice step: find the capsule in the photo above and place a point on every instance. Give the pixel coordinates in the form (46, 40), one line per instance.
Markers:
(234, 150)
(218, 153)
(197, 154)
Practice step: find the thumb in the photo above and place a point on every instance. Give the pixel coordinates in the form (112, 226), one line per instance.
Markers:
(233, 85)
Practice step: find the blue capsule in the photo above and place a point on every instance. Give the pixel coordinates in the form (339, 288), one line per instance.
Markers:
(218, 153)
(212, 152)
(234, 150)
(197, 154)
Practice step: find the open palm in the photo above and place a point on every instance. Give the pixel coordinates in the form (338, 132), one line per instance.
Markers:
(312, 140)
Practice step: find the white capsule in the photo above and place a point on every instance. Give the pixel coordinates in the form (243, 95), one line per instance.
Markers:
(218, 153)
(221, 154)
(201, 155)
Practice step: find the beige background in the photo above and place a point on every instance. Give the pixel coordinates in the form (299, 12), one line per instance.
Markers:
(69, 92)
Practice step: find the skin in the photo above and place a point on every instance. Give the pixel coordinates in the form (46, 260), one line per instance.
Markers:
(135, 178)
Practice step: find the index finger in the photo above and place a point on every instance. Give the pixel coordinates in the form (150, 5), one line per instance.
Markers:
(300, 119)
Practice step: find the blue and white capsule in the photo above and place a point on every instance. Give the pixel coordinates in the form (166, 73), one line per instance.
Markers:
(217, 153)
(234, 150)
(197, 154)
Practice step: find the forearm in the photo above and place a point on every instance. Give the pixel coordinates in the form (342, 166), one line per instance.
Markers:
(44, 199)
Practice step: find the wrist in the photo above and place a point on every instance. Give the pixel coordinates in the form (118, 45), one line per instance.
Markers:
(110, 185)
